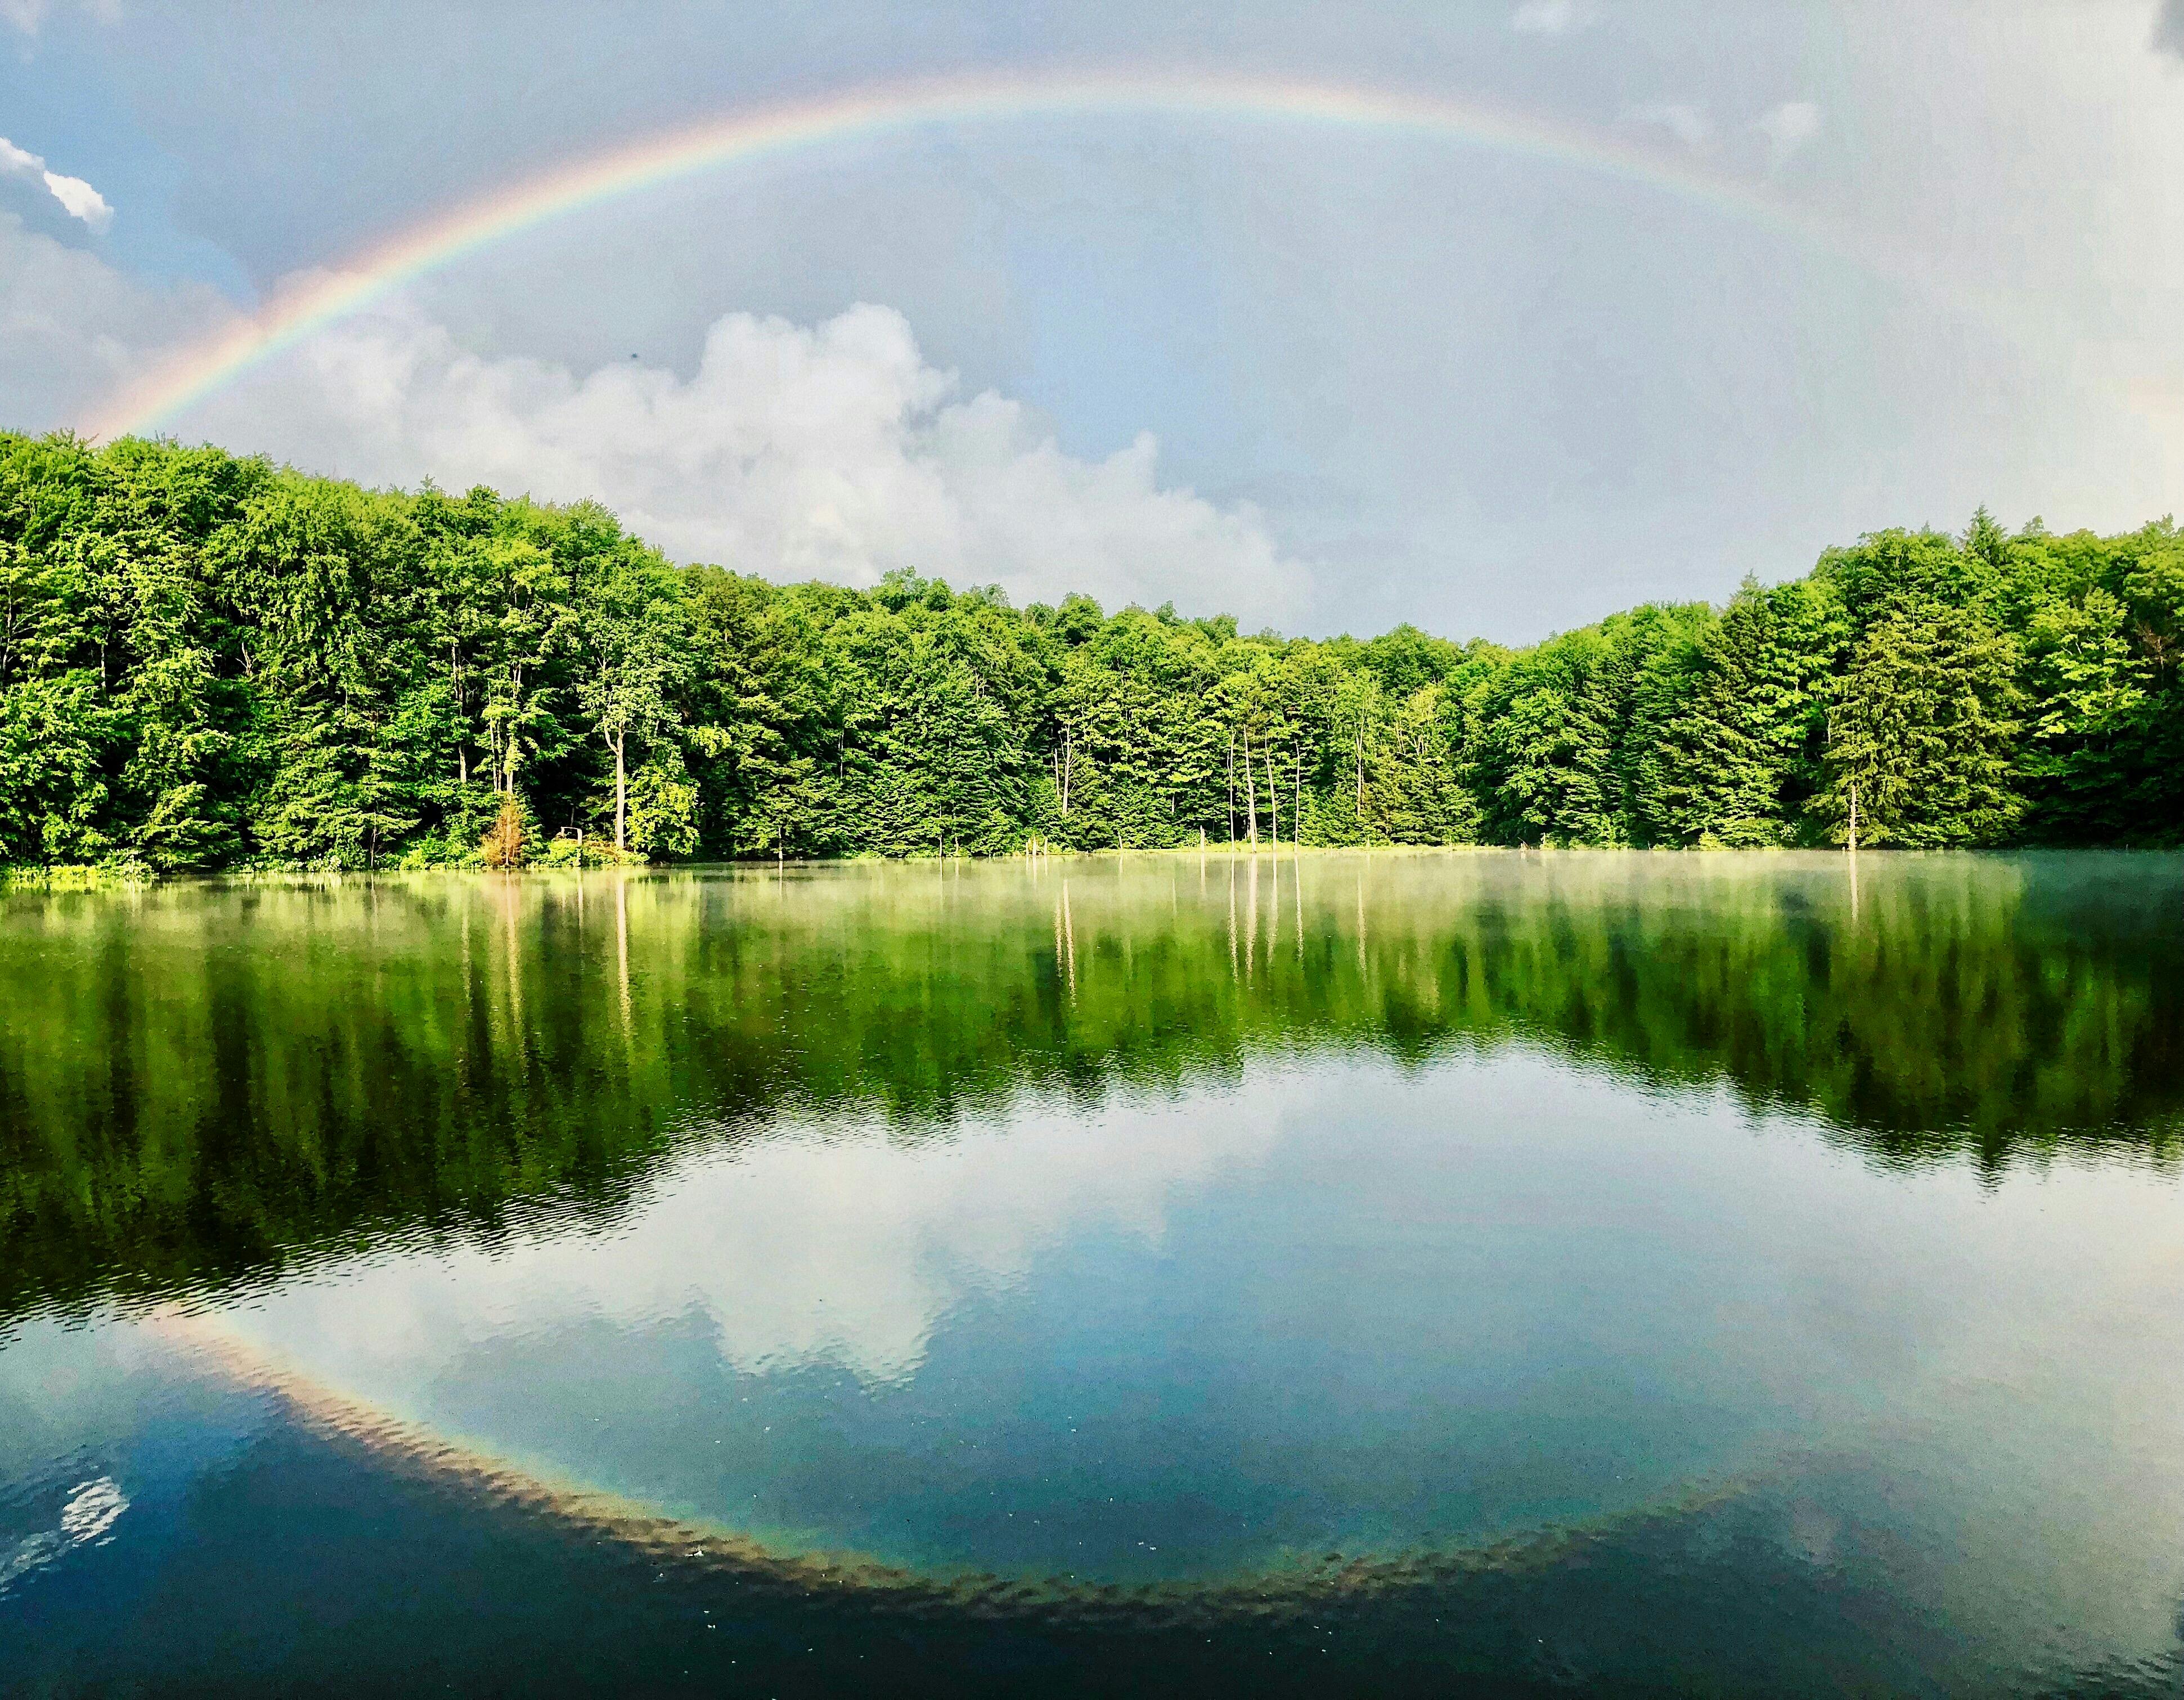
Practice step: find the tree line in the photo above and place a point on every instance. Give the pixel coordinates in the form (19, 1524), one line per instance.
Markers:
(208, 661)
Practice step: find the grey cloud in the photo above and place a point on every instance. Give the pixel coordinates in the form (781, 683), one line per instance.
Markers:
(1788, 127)
(75, 328)
(2169, 28)
(1546, 17)
(1680, 118)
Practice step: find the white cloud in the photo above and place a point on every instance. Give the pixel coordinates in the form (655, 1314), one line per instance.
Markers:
(1686, 123)
(81, 200)
(1546, 18)
(831, 451)
(1787, 128)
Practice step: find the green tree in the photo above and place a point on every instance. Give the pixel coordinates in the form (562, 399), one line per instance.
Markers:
(206, 659)
(629, 633)
(1921, 738)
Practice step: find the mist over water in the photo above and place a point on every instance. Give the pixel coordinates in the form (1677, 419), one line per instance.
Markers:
(1631, 1272)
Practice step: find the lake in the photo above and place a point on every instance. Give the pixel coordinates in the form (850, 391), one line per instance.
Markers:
(1491, 1271)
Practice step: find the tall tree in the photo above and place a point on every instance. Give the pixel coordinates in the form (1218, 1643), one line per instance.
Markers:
(1920, 743)
(630, 636)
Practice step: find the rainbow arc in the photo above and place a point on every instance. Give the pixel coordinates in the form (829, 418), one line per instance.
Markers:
(314, 302)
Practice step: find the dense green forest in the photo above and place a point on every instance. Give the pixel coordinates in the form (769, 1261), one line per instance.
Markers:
(208, 662)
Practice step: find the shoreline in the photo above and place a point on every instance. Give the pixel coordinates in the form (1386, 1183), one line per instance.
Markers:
(75, 877)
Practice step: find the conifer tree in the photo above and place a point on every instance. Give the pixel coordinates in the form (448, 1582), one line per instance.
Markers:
(1922, 733)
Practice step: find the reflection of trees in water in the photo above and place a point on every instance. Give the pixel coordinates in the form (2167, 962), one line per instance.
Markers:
(199, 1082)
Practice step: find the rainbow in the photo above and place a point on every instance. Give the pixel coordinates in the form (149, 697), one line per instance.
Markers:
(322, 299)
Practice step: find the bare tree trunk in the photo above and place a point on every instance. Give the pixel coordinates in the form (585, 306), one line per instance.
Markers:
(455, 684)
(1274, 796)
(1232, 784)
(621, 793)
(1250, 795)
(1361, 777)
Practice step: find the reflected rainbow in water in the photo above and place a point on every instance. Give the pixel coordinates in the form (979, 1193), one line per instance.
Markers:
(1631, 1270)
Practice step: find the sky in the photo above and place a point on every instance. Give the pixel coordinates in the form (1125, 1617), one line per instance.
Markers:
(1327, 377)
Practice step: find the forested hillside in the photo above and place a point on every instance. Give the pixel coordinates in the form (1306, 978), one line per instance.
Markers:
(208, 662)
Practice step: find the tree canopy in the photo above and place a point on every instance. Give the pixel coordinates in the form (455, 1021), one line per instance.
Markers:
(208, 661)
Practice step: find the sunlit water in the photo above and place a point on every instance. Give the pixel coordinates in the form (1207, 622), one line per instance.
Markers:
(1623, 1272)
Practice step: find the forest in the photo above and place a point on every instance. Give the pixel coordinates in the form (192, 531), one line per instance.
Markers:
(208, 662)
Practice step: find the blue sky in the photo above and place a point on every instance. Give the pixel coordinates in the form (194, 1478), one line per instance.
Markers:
(1328, 381)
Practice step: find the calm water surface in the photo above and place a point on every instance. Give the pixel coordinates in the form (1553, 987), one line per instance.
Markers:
(1477, 1272)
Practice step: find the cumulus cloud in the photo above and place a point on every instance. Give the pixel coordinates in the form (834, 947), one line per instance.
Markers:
(77, 197)
(1686, 123)
(1787, 128)
(831, 451)
(75, 328)
(1546, 17)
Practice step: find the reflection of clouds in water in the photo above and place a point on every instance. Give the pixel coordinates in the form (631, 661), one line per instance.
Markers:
(845, 1250)
(91, 1511)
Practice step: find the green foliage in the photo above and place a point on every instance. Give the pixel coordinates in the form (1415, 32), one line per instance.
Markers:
(1921, 732)
(208, 662)
(1742, 711)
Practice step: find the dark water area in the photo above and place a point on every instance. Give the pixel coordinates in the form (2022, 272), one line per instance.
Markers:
(1478, 1273)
